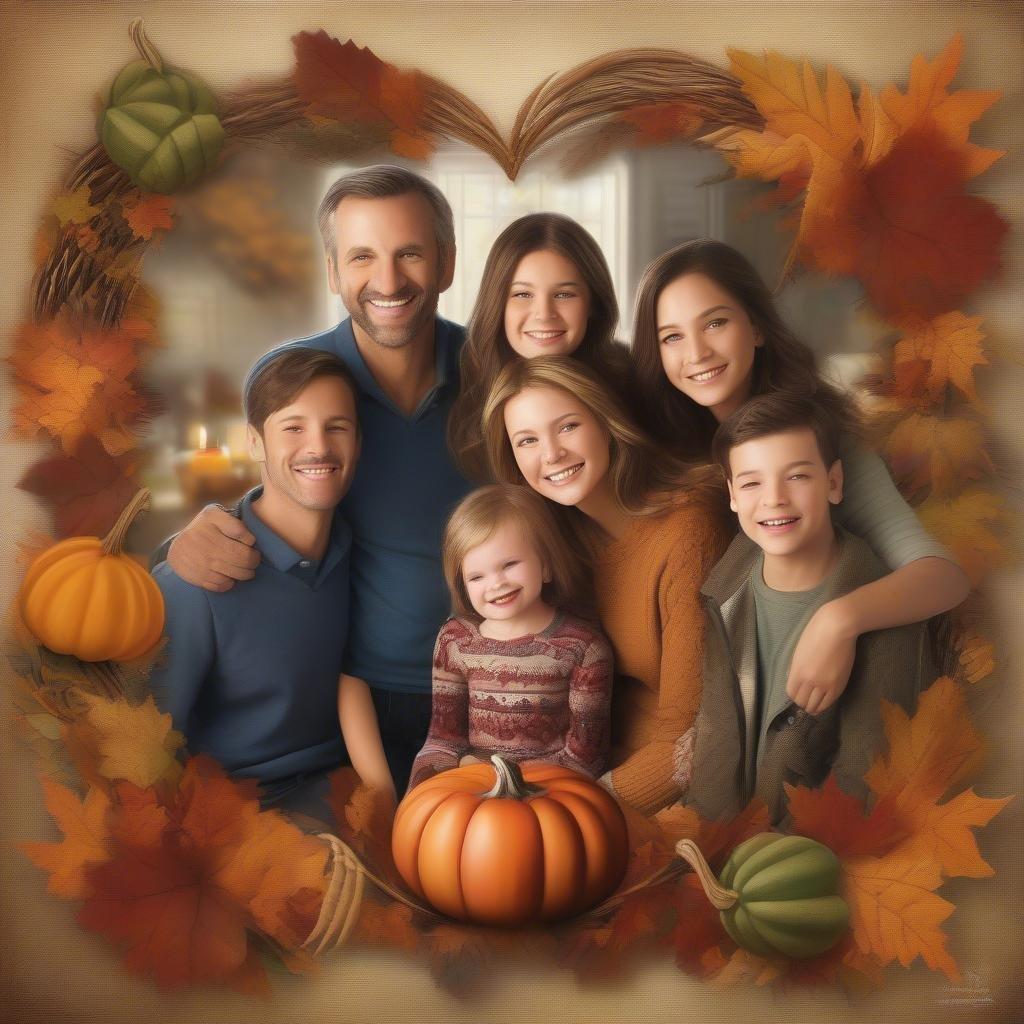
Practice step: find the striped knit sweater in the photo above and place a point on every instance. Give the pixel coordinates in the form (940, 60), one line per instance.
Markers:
(540, 697)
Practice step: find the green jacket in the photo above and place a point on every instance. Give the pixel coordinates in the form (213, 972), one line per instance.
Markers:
(801, 749)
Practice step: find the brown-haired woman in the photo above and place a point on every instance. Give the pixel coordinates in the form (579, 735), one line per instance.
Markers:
(653, 533)
(545, 290)
(707, 337)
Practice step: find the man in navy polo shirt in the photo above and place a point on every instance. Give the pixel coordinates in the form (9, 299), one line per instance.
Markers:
(251, 674)
(390, 248)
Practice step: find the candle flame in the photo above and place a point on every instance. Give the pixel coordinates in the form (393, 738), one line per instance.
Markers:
(202, 436)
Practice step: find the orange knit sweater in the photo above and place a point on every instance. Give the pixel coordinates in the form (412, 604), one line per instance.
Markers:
(648, 583)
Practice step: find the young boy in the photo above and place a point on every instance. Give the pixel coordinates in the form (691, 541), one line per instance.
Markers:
(780, 458)
(251, 674)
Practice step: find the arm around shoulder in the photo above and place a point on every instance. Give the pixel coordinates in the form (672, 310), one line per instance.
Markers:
(214, 551)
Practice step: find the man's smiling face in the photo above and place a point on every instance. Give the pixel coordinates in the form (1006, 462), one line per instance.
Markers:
(387, 268)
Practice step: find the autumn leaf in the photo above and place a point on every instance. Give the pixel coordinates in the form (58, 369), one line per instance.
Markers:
(135, 743)
(85, 842)
(386, 924)
(364, 817)
(698, 928)
(928, 104)
(718, 839)
(967, 525)
(917, 250)
(930, 752)
(950, 346)
(769, 156)
(146, 214)
(878, 130)
(837, 820)
(894, 912)
(792, 102)
(743, 967)
(60, 390)
(976, 655)
(75, 207)
(936, 453)
(89, 488)
(346, 83)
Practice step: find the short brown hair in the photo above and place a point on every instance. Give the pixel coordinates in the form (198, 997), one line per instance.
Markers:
(381, 181)
(476, 518)
(776, 413)
(284, 376)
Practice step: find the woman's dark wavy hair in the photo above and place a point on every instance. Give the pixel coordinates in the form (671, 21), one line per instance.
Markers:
(781, 363)
(487, 349)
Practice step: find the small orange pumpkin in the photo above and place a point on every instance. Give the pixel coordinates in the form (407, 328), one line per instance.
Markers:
(85, 597)
(544, 843)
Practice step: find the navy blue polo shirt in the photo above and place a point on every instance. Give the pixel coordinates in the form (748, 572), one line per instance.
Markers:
(404, 488)
(251, 675)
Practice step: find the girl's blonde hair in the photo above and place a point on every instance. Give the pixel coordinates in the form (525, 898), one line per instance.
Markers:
(476, 518)
(646, 479)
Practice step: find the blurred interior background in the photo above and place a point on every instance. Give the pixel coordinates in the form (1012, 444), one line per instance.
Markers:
(243, 271)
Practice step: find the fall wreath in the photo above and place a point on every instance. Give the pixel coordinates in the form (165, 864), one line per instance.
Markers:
(171, 860)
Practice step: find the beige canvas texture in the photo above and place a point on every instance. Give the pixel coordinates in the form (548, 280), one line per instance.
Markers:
(57, 57)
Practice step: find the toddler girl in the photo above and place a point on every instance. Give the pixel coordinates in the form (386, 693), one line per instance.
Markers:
(514, 673)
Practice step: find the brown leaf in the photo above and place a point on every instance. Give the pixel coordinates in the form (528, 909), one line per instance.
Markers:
(85, 842)
(936, 453)
(718, 839)
(89, 488)
(364, 817)
(950, 346)
(386, 924)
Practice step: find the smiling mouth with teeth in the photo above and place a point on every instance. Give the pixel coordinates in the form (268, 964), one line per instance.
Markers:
(316, 471)
(706, 375)
(507, 598)
(779, 522)
(564, 474)
(544, 335)
(390, 303)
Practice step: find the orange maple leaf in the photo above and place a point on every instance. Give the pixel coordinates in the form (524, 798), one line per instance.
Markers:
(146, 214)
(346, 83)
(935, 452)
(976, 654)
(187, 882)
(968, 525)
(894, 912)
(85, 843)
(792, 102)
(364, 818)
(928, 103)
(834, 818)
(698, 927)
(950, 346)
(916, 250)
(930, 752)
(718, 839)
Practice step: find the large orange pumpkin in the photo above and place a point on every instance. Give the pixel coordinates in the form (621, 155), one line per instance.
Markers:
(504, 846)
(84, 597)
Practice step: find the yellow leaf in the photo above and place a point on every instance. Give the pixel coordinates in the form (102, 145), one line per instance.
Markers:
(929, 451)
(894, 912)
(74, 207)
(966, 524)
(977, 656)
(83, 823)
(136, 743)
(951, 345)
(927, 104)
(790, 98)
(766, 155)
(930, 752)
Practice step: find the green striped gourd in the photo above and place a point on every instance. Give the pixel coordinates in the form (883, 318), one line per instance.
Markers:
(777, 894)
(160, 124)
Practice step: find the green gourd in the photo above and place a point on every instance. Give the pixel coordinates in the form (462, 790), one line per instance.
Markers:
(160, 123)
(777, 895)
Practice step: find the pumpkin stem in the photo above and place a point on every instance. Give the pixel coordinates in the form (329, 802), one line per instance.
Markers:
(149, 52)
(113, 543)
(510, 781)
(718, 897)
